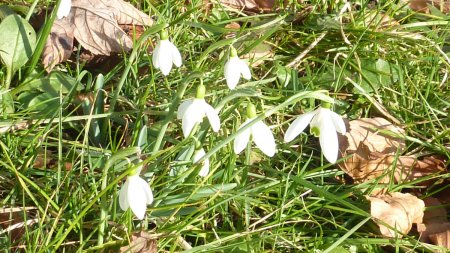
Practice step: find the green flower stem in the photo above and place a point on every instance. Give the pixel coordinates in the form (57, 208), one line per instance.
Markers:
(122, 154)
(136, 49)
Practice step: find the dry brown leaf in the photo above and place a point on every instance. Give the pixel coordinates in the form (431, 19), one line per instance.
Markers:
(422, 5)
(12, 221)
(373, 154)
(59, 44)
(435, 226)
(259, 54)
(398, 210)
(96, 25)
(441, 239)
(367, 131)
(250, 5)
(141, 242)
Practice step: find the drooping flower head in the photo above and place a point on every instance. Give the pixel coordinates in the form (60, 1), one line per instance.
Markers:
(324, 124)
(234, 68)
(64, 9)
(260, 133)
(135, 194)
(166, 54)
(199, 154)
(193, 111)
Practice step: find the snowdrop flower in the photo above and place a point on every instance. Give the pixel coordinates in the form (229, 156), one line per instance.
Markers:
(136, 194)
(64, 9)
(194, 110)
(234, 68)
(262, 136)
(199, 154)
(166, 54)
(323, 123)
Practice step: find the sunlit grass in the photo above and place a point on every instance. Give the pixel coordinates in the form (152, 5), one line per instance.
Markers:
(293, 202)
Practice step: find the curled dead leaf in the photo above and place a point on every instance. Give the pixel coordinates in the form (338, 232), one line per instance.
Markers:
(13, 221)
(141, 242)
(373, 146)
(423, 5)
(97, 26)
(398, 210)
(442, 239)
(250, 5)
(259, 54)
(435, 227)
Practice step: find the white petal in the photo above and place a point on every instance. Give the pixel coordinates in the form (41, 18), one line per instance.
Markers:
(263, 138)
(232, 72)
(155, 56)
(338, 122)
(148, 192)
(328, 139)
(245, 70)
(205, 169)
(64, 9)
(213, 117)
(182, 108)
(199, 154)
(176, 56)
(241, 140)
(165, 57)
(193, 115)
(298, 126)
(137, 197)
(123, 200)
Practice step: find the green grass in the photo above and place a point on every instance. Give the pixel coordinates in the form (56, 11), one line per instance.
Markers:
(293, 202)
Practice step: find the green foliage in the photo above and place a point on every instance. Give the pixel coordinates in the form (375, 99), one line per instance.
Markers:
(69, 138)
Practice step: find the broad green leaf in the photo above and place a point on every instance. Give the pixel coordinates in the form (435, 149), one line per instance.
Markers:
(53, 84)
(17, 42)
(6, 102)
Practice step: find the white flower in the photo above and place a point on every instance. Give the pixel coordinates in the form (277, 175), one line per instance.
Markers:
(234, 68)
(193, 111)
(262, 136)
(199, 154)
(136, 194)
(64, 9)
(324, 123)
(164, 55)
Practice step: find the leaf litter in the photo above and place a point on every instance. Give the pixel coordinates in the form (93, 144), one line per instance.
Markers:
(371, 148)
(97, 25)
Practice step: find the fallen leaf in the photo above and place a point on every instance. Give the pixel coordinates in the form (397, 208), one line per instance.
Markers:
(370, 132)
(250, 5)
(398, 210)
(259, 54)
(435, 226)
(441, 239)
(423, 5)
(59, 44)
(12, 221)
(374, 154)
(141, 242)
(98, 25)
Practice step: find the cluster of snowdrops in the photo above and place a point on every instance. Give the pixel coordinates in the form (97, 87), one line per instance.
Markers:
(324, 123)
